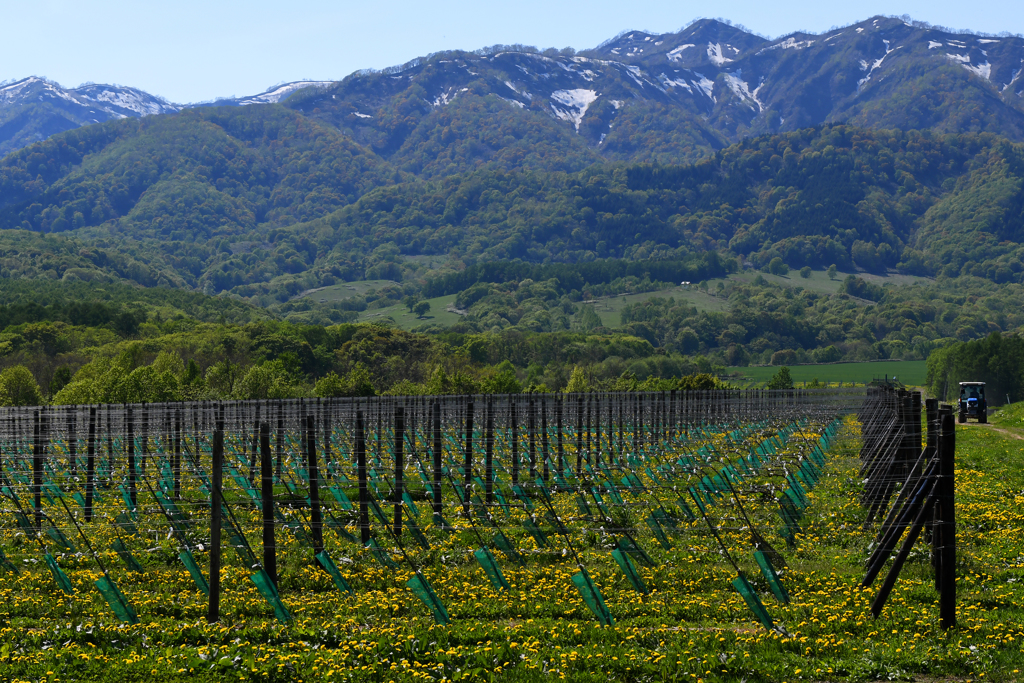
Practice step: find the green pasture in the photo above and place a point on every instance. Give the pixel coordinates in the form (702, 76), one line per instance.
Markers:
(345, 290)
(610, 308)
(407, 321)
(910, 372)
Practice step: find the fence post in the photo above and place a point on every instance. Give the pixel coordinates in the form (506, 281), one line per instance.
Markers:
(531, 413)
(489, 453)
(545, 453)
(176, 464)
(90, 464)
(267, 489)
(515, 439)
(399, 466)
(213, 614)
(364, 499)
(467, 473)
(436, 474)
(37, 471)
(279, 441)
(130, 419)
(947, 522)
(315, 522)
(72, 438)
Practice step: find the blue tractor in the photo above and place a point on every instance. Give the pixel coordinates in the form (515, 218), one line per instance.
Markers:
(972, 402)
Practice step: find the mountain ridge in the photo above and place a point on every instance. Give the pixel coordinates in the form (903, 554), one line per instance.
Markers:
(722, 81)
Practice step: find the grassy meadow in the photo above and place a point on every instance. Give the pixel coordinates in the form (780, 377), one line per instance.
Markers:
(690, 625)
(910, 372)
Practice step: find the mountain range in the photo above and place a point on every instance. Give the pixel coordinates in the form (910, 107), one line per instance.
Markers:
(647, 146)
(719, 81)
(33, 109)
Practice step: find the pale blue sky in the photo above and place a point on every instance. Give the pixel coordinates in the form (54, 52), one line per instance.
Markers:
(193, 50)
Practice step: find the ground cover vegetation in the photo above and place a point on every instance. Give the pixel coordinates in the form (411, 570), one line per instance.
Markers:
(688, 623)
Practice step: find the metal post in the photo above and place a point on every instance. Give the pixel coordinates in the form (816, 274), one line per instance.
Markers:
(947, 522)
(90, 465)
(399, 466)
(213, 614)
(364, 498)
(267, 490)
(435, 478)
(315, 522)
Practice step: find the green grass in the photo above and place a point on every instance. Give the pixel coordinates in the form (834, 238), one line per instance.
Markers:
(910, 372)
(345, 290)
(408, 321)
(1011, 415)
(610, 308)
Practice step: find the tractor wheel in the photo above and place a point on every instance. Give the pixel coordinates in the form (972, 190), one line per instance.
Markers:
(983, 418)
(961, 417)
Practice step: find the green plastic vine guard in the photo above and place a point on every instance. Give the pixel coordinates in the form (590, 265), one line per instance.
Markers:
(658, 532)
(744, 588)
(581, 503)
(417, 534)
(768, 571)
(407, 499)
(62, 580)
(626, 565)
(122, 551)
(378, 554)
(592, 597)
(7, 565)
(339, 581)
(441, 523)
(521, 495)
(666, 521)
(193, 569)
(502, 543)
(118, 602)
(58, 537)
(535, 531)
(125, 522)
(491, 569)
(628, 545)
(421, 588)
(378, 513)
(269, 592)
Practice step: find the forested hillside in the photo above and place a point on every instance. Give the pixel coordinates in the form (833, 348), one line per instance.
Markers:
(264, 203)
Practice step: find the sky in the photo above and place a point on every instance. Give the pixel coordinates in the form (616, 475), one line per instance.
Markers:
(197, 50)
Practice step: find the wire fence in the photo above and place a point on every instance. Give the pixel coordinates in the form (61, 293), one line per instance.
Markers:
(515, 479)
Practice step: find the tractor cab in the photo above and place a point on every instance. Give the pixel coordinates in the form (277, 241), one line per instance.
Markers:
(972, 402)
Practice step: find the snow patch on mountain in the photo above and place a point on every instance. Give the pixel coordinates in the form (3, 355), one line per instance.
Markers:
(575, 104)
(677, 53)
(275, 95)
(983, 70)
(789, 44)
(674, 83)
(933, 44)
(715, 54)
(742, 90)
(707, 86)
(448, 96)
(877, 63)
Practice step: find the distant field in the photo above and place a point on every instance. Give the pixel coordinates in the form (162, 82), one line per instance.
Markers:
(610, 309)
(346, 290)
(407, 321)
(910, 372)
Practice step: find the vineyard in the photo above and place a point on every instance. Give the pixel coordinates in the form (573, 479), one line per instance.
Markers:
(697, 536)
